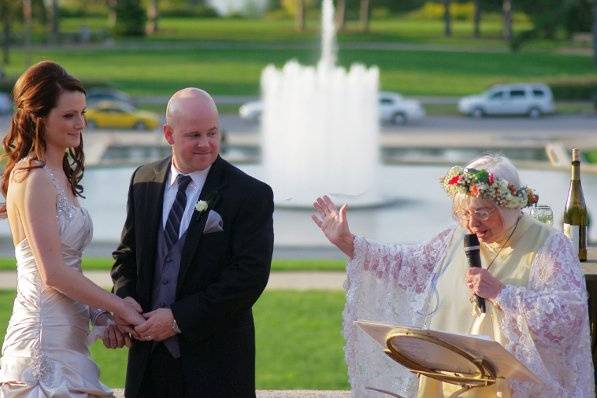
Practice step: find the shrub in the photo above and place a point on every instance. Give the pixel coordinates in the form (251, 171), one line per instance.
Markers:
(187, 10)
(130, 18)
(432, 10)
(381, 13)
(574, 89)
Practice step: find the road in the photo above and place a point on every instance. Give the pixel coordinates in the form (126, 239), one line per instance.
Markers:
(513, 127)
(548, 126)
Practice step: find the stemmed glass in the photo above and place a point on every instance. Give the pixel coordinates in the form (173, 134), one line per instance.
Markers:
(542, 213)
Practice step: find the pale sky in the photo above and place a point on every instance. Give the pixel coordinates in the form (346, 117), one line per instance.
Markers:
(229, 6)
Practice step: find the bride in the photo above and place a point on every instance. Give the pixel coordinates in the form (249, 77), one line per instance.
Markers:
(45, 351)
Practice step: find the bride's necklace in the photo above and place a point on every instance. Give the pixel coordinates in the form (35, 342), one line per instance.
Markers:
(503, 244)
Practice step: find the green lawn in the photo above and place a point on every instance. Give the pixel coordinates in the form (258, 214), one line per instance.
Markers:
(105, 263)
(267, 30)
(298, 337)
(591, 156)
(237, 70)
(226, 56)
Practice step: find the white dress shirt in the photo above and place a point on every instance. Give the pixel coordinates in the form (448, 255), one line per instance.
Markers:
(193, 191)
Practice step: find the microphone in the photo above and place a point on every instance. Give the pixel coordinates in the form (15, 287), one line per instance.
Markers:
(471, 250)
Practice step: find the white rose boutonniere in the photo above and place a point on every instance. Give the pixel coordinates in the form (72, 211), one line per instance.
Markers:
(201, 206)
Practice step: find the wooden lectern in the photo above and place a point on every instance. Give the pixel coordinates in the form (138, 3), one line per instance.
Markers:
(464, 360)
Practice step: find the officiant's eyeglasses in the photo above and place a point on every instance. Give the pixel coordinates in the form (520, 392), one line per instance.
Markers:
(481, 214)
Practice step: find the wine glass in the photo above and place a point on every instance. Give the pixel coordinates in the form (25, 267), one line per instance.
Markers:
(542, 213)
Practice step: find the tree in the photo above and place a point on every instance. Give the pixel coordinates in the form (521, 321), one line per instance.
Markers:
(300, 17)
(153, 14)
(507, 15)
(130, 18)
(6, 13)
(447, 19)
(595, 33)
(364, 14)
(578, 16)
(53, 15)
(111, 12)
(27, 22)
(547, 17)
(477, 19)
(340, 14)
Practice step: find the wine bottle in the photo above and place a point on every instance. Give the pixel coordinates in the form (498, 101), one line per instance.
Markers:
(575, 212)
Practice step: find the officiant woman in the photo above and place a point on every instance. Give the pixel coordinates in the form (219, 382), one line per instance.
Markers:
(531, 280)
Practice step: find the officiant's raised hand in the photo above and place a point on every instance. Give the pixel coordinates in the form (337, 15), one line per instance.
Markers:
(334, 224)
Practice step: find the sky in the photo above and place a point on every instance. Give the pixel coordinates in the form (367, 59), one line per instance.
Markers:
(225, 7)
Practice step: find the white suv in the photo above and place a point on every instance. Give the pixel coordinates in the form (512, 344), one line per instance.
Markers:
(510, 99)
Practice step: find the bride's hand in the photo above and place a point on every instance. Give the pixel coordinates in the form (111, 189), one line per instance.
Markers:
(130, 313)
(333, 224)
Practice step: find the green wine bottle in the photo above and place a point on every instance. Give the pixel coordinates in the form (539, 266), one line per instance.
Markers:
(575, 212)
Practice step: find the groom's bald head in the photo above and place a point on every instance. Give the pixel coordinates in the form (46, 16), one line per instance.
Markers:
(189, 102)
(192, 129)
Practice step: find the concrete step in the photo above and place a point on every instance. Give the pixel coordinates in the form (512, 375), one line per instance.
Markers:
(285, 393)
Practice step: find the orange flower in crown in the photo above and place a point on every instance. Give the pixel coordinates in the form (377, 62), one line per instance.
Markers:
(482, 184)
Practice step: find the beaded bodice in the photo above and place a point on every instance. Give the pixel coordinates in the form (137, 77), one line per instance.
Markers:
(45, 346)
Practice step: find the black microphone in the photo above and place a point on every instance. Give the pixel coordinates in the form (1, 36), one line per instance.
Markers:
(471, 249)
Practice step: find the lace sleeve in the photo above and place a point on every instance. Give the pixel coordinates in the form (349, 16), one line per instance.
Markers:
(554, 304)
(409, 266)
(546, 325)
(373, 275)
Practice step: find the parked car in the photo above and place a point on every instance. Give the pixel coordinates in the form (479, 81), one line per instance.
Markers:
(110, 114)
(99, 94)
(251, 110)
(393, 108)
(529, 99)
(5, 103)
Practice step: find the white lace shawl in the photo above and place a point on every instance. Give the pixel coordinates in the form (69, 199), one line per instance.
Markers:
(545, 324)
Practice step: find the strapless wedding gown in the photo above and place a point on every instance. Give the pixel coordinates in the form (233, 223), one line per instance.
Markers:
(45, 351)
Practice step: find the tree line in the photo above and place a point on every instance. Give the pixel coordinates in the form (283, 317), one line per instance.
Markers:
(140, 17)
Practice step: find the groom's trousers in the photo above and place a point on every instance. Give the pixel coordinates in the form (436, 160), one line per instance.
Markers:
(163, 375)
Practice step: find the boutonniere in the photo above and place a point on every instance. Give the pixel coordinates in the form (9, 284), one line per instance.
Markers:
(201, 206)
(209, 202)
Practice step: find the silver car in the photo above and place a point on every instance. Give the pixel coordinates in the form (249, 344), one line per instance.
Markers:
(393, 108)
(5, 104)
(532, 99)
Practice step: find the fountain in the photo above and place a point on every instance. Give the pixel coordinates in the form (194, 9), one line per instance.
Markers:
(320, 128)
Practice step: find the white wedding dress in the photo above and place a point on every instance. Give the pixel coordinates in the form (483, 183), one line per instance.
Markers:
(45, 351)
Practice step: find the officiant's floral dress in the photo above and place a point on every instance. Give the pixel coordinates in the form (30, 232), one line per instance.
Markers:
(540, 316)
(45, 351)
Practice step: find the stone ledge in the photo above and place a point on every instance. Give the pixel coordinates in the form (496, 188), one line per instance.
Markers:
(285, 393)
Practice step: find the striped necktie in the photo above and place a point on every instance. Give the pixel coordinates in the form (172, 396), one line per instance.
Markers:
(175, 216)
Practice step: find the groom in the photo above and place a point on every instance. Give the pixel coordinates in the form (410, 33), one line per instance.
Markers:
(195, 252)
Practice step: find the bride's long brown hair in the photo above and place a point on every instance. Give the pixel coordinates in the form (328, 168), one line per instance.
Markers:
(35, 94)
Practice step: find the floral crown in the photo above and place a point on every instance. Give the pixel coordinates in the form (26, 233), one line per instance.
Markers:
(482, 184)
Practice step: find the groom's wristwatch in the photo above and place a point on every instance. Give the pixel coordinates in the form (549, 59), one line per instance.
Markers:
(175, 327)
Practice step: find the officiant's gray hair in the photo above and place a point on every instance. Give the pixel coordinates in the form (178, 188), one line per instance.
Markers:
(502, 167)
(499, 166)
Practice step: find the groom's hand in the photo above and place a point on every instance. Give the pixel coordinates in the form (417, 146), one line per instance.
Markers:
(158, 326)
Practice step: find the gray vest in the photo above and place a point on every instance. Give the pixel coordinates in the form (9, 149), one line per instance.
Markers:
(165, 276)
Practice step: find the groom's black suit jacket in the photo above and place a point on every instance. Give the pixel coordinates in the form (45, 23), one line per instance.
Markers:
(221, 276)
